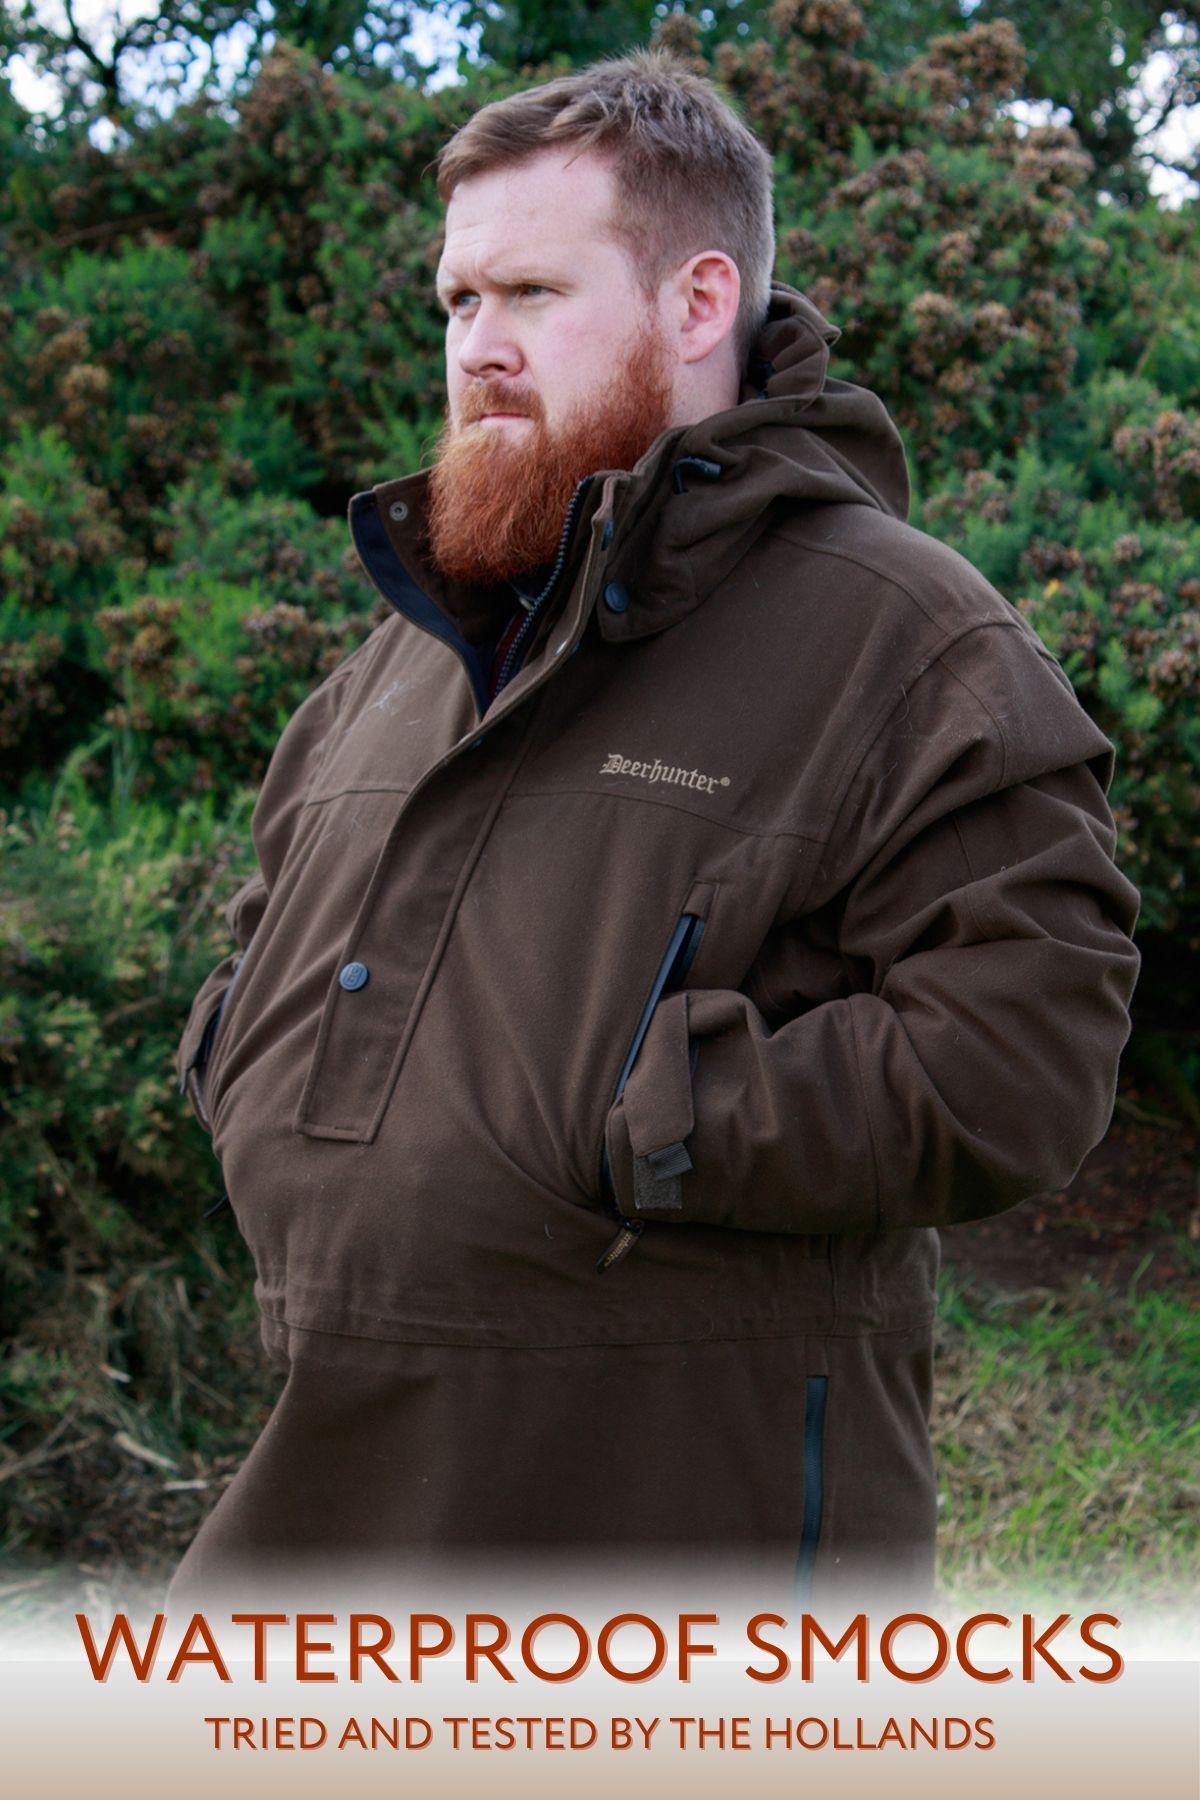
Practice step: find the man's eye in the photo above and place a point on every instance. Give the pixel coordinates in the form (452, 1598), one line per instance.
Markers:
(457, 302)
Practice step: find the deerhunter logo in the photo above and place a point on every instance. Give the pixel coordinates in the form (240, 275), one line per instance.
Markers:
(617, 764)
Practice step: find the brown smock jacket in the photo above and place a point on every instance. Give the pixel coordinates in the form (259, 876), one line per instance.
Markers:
(769, 908)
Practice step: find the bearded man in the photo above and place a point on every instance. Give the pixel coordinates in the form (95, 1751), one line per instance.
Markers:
(698, 892)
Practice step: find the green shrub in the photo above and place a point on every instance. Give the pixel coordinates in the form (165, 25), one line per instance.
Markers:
(211, 654)
(214, 333)
(59, 546)
(1115, 592)
(321, 238)
(110, 915)
(110, 920)
(124, 356)
(954, 252)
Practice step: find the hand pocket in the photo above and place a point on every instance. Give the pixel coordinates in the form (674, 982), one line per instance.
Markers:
(669, 979)
(200, 1037)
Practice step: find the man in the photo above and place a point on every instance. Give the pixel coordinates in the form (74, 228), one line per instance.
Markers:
(696, 893)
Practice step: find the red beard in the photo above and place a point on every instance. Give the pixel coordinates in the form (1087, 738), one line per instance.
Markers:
(496, 507)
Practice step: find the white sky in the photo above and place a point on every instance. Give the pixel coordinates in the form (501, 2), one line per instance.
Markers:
(434, 38)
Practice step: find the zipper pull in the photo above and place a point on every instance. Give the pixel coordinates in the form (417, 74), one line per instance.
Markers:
(621, 1245)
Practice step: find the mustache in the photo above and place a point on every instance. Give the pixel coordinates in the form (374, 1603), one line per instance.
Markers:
(498, 396)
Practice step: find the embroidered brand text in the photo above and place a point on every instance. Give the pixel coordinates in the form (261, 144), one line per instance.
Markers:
(616, 764)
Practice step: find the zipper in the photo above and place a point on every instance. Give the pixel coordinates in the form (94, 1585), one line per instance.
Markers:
(391, 578)
(533, 607)
(670, 976)
(621, 1245)
(672, 973)
(816, 1391)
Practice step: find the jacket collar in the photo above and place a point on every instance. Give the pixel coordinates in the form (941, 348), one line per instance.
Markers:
(684, 516)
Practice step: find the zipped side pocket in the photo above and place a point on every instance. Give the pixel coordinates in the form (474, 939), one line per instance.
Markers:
(191, 1081)
(670, 976)
(816, 1393)
(672, 973)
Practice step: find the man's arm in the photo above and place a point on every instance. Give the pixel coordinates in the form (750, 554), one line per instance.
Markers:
(985, 932)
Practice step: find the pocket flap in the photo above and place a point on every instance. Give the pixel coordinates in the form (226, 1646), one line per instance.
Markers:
(658, 1094)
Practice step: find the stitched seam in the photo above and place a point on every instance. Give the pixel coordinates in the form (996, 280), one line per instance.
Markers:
(340, 793)
(866, 1104)
(997, 726)
(876, 730)
(919, 1321)
(592, 793)
(792, 533)
(967, 894)
(669, 805)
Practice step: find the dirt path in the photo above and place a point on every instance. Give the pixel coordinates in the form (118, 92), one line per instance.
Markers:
(1135, 1202)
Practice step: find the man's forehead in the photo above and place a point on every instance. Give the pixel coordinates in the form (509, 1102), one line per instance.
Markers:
(556, 190)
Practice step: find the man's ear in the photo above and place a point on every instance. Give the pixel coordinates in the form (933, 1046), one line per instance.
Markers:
(706, 292)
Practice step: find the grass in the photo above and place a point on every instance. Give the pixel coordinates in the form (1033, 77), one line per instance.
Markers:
(125, 1410)
(1067, 1427)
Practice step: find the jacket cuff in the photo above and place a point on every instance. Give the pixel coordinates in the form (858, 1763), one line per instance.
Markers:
(648, 1127)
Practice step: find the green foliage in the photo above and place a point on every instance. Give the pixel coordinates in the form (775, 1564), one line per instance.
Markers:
(109, 923)
(67, 193)
(59, 541)
(1102, 553)
(535, 32)
(953, 252)
(122, 355)
(321, 236)
(216, 331)
(110, 915)
(211, 654)
(1087, 61)
(119, 69)
(198, 659)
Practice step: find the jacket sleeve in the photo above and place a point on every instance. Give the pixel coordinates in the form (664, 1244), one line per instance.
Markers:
(294, 763)
(985, 935)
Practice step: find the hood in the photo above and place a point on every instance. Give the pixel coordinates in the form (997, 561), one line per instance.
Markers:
(797, 436)
(797, 432)
(688, 510)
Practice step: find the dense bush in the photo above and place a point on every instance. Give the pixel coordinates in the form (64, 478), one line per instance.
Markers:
(120, 354)
(212, 653)
(1115, 593)
(214, 333)
(952, 250)
(115, 1302)
(110, 920)
(59, 547)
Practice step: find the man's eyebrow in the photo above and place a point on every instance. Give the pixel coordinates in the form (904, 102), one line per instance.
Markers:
(531, 275)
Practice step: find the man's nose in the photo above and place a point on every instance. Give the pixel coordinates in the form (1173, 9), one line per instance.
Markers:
(489, 348)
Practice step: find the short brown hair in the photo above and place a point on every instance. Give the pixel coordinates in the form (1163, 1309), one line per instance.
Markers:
(690, 175)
